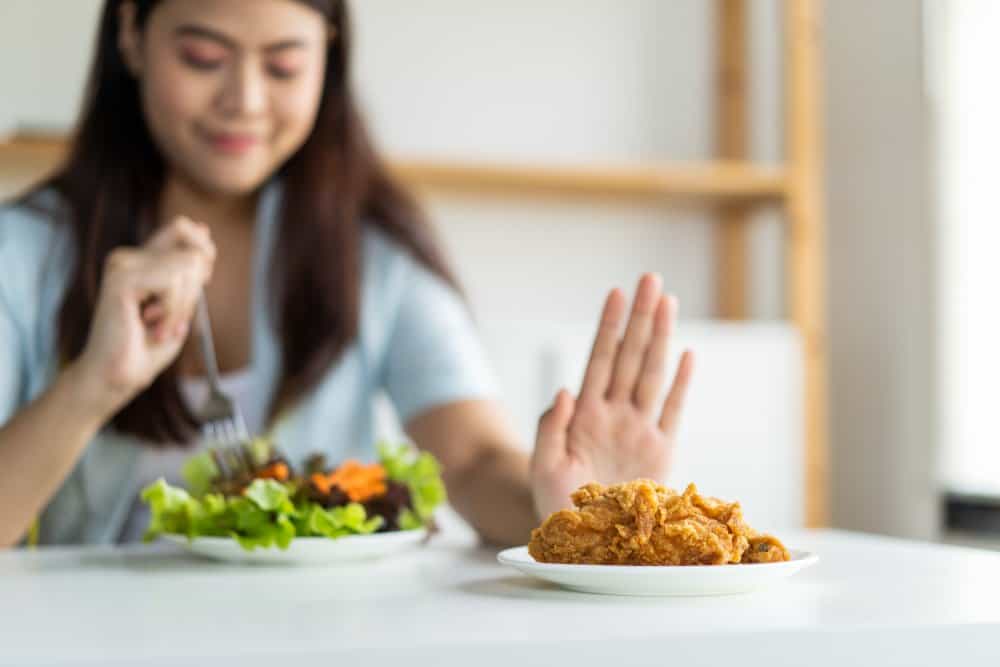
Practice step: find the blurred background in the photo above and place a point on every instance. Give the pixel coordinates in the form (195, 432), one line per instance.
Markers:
(835, 274)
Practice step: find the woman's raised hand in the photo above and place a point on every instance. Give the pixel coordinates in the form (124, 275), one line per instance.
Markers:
(616, 430)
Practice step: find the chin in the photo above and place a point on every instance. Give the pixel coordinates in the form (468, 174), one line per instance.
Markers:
(233, 182)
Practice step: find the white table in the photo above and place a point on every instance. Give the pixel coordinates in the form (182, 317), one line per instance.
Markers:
(870, 601)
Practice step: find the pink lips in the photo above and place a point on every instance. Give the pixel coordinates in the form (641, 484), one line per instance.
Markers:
(232, 144)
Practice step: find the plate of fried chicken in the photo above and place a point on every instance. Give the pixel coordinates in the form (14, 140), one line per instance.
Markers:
(641, 538)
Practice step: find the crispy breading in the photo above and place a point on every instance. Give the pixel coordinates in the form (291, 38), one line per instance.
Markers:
(644, 523)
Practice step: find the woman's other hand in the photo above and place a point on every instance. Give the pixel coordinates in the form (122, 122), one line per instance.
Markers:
(616, 430)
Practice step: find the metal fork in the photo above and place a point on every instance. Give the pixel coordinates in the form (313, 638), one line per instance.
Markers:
(221, 419)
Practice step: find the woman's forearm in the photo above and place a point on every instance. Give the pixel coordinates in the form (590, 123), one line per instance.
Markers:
(493, 493)
(39, 447)
(486, 473)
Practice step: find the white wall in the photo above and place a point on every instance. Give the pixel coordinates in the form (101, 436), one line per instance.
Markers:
(965, 54)
(564, 80)
(46, 52)
(631, 79)
(881, 269)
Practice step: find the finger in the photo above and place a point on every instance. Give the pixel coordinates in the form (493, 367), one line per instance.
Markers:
(159, 271)
(674, 404)
(174, 279)
(188, 293)
(123, 270)
(637, 335)
(184, 233)
(179, 231)
(153, 313)
(550, 445)
(163, 328)
(185, 292)
(602, 355)
(654, 365)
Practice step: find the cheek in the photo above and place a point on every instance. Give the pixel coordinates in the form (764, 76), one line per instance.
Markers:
(295, 109)
(174, 97)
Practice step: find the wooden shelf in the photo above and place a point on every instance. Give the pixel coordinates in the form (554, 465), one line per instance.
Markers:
(709, 180)
(727, 180)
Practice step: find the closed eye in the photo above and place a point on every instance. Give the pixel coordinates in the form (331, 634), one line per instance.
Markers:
(203, 56)
(284, 73)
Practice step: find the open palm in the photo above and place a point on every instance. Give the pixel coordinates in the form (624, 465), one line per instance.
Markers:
(615, 430)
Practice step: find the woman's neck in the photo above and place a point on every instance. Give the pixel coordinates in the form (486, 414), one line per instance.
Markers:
(181, 198)
(228, 296)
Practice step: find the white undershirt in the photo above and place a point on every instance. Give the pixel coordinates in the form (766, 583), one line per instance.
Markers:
(155, 463)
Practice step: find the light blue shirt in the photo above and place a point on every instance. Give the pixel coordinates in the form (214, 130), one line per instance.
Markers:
(416, 342)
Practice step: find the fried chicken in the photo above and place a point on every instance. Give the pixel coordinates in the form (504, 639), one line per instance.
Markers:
(644, 523)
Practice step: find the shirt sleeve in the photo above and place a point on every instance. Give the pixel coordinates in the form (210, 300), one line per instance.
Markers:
(12, 361)
(433, 354)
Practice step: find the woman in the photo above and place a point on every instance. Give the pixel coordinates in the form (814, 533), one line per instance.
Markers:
(323, 282)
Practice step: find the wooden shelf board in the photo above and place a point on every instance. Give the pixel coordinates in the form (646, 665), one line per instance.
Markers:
(709, 180)
(724, 180)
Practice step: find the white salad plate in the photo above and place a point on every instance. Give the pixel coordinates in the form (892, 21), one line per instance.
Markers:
(307, 550)
(659, 580)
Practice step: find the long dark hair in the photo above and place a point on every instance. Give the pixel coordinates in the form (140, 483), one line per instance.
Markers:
(110, 187)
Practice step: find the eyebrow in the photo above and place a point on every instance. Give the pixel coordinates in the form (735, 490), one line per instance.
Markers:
(191, 30)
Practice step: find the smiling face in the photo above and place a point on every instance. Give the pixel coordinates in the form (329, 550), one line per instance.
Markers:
(230, 88)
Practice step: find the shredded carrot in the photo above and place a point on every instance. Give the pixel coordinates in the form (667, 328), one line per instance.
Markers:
(359, 482)
(321, 483)
(278, 471)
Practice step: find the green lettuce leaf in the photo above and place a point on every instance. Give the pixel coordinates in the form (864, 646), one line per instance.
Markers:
(198, 473)
(168, 509)
(421, 472)
(350, 519)
(408, 520)
(199, 470)
(260, 450)
(270, 495)
(174, 510)
(265, 516)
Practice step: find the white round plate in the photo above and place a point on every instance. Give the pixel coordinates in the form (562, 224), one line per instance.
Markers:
(658, 580)
(306, 550)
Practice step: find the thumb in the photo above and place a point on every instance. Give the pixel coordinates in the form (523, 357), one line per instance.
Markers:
(550, 443)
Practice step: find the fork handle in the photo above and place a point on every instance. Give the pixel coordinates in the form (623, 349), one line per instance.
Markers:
(207, 344)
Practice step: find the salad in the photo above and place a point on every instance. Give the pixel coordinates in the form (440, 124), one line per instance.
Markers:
(253, 494)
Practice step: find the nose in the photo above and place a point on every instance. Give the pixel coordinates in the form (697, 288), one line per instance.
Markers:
(245, 91)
